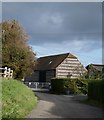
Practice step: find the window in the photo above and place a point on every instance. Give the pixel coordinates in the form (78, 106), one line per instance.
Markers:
(50, 62)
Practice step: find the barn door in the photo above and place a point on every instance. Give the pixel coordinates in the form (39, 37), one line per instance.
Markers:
(42, 76)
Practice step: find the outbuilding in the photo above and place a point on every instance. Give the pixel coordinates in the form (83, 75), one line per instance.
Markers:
(60, 66)
(95, 71)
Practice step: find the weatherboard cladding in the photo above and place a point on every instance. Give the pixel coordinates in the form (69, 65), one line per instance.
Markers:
(51, 62)
(62, 65)
(70, 67)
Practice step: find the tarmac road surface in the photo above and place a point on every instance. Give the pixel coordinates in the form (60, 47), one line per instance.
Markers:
(63, 106)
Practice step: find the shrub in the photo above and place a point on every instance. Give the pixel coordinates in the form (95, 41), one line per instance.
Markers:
(57, 85)
(96, 90)
(75, 86)
(17, 99)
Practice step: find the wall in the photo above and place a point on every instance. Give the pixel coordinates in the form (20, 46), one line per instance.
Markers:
(50, 74)
(70, 67)
(33, 77)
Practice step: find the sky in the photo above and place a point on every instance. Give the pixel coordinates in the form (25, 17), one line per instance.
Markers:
(60, 27)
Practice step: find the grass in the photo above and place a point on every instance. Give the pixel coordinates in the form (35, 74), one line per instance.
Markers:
(0, 99)
(17, 99)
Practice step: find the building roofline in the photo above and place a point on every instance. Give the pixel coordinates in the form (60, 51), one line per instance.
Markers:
(54, 55)
(59, 58)
(96, 64)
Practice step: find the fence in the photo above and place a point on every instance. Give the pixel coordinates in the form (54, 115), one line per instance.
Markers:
(38, 85)
(6, 72)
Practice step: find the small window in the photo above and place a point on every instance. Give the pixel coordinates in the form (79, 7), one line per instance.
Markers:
(50, 62)
(69, 75)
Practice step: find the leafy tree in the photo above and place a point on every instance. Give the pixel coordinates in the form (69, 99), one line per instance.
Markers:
(16, 53)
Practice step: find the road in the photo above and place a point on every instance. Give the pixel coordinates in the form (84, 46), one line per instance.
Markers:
(63, 106)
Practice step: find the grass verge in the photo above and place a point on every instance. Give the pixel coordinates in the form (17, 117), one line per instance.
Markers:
(17, 99)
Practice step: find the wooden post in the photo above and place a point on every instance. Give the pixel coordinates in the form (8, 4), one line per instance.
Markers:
(5, 72)
(8, 73)
(29, 84)
(11, 73)
(42, 85)
(36, 85)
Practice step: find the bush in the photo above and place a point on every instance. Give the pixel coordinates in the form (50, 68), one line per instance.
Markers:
(17, 99)
(57, 85)
(75, 86)
(96, 90)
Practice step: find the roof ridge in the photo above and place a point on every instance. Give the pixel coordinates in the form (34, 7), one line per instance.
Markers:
(98, 64)
(51, 62)
(55, 55)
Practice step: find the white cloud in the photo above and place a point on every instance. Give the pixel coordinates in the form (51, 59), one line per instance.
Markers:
(86, 58)
(76, 46)
(59, 28)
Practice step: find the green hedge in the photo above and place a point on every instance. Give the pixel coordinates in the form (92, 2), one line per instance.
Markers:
(96, 90)
(75, 86)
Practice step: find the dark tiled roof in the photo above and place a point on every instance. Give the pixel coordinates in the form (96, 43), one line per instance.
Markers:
(51, 62)
(96, 66)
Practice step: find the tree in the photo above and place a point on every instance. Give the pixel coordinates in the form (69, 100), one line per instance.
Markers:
(16, 53)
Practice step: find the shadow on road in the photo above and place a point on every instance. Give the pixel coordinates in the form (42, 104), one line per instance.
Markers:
(64, 106)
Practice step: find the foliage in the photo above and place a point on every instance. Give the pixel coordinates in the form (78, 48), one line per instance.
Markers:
(92, 103)
(17, 99)
(16, 53)
(57, 85)
(103, 73)
(75, 86)
(93, 73)
(96, 90)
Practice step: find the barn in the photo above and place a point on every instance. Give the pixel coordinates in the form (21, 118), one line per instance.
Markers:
(95, 71)
(60, 66)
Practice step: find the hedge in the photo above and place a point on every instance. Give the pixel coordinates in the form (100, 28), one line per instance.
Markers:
(75, 86)
(96, 90)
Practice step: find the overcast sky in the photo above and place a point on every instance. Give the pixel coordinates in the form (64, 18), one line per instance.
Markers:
(55, 28)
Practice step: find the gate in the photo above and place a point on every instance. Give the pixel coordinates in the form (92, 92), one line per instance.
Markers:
(6, 72)
(39, 86)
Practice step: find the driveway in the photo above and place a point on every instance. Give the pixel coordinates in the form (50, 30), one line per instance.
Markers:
(63, 106)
